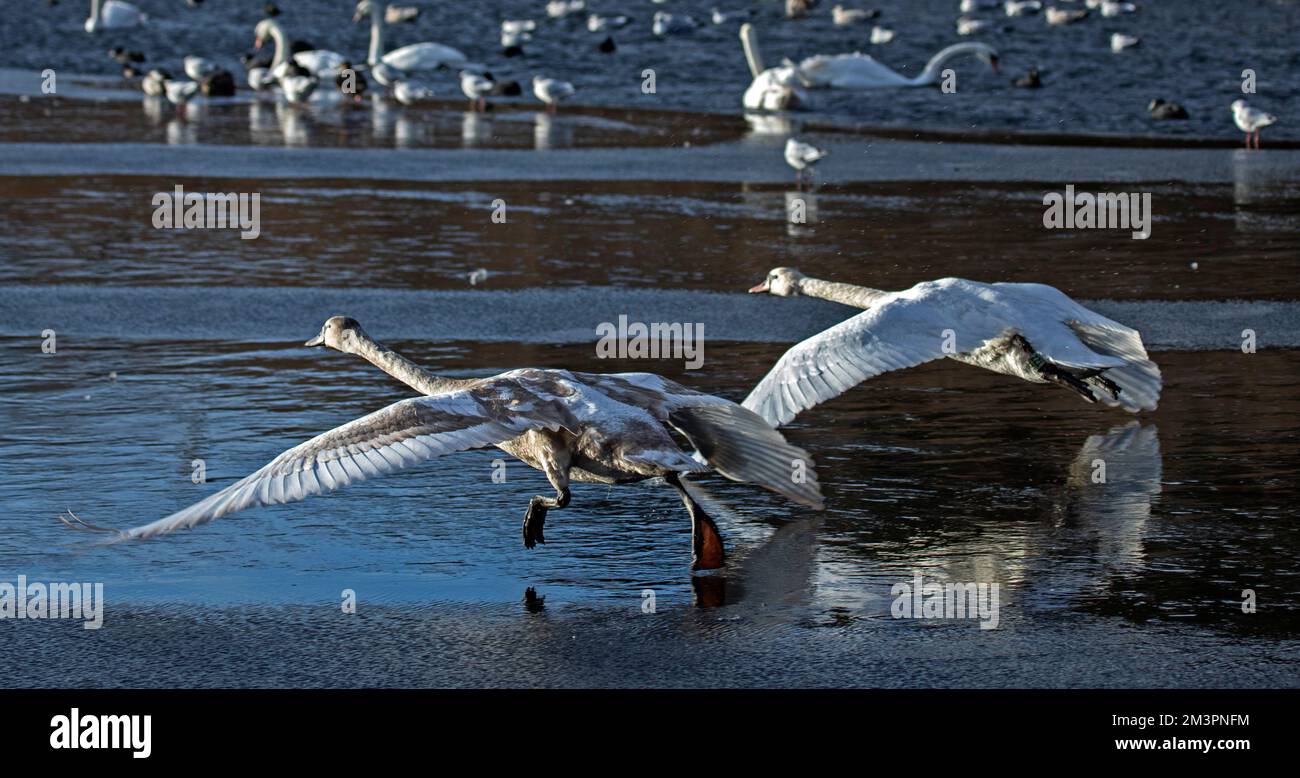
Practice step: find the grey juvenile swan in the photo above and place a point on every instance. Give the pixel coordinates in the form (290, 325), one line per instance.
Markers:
(602, 428)
(1030, 331)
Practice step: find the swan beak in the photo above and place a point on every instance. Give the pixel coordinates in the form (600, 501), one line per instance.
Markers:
(319, 340)
(763, 287)
(356, 17)
(257, 43)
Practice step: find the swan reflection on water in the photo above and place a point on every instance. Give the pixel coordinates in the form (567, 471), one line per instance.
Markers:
(295, 125)
(1094, 532)
(765, 125)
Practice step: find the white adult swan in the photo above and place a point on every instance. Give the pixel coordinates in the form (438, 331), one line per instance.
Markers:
(773, 89)
(113, 15)
(321, 63)
(407, 59)
(1030, 331)
(862, 71)
(583, 427)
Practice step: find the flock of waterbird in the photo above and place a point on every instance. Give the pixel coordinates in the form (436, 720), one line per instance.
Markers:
(296, 69)
(614, 428)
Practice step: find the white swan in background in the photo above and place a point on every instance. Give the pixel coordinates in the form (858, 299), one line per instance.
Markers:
(407, 59)
(862, 71)
(113, 15)
(773, 89)
(1250, 120)
(969, 26)
(1112, 9)
(1030, 331)
(320, 62)
(584, 427)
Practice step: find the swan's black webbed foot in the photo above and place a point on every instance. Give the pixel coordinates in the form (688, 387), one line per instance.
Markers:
(1106, 384)
(1051, 372)
(534, 522)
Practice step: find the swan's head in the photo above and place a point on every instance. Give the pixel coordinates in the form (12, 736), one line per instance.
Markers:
(988, 55)
(780, 281)
(261, 32)
(363, 8)
(341, 333)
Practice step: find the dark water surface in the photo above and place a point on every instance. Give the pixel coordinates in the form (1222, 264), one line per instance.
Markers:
(947, 471)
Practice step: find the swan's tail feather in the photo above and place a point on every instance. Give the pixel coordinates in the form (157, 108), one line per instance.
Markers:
(737, 443)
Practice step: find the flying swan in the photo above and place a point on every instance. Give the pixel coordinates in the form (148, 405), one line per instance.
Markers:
(1030, 331)
(601, 428)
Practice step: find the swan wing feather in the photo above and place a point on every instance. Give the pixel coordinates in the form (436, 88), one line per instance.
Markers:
(900, 332)
(399, 436)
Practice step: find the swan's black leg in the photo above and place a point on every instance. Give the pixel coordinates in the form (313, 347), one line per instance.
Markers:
(1107, 384)
(1049, 371)
(535, 516)
(707, 548)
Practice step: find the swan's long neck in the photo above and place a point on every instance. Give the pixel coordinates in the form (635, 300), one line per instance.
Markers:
(281, 46)
(931, 73)
(749, 40)
(376, 38)
(845, 294)
(403, 369)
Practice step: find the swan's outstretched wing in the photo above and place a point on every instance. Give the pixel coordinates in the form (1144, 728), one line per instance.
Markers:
(404, 434)
(902, 332)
